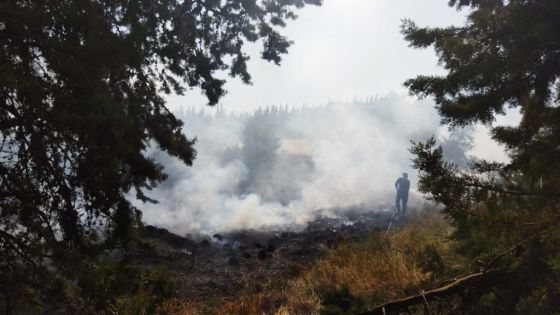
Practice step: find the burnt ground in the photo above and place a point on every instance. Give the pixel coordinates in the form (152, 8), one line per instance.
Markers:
(223, 265)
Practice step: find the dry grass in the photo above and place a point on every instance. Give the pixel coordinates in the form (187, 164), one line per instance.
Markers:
(382, 266)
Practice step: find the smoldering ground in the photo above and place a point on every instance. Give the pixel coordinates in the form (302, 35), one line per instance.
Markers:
(276, 167)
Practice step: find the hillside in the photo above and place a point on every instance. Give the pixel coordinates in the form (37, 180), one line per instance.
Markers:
(342, 264)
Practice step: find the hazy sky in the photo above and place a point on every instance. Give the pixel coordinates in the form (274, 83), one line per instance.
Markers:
(343, 49)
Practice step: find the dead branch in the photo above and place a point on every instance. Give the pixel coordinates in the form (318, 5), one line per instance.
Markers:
(478, 280)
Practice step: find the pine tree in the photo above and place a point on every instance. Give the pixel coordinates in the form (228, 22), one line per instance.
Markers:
(506, 215)
(82, 85)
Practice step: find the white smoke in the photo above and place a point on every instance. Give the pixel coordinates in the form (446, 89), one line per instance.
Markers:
(276, 167)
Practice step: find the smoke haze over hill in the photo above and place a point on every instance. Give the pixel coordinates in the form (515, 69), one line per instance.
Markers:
(274, 168)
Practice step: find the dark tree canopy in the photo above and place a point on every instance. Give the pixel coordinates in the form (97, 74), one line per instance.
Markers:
(506, 214)
(81, 87)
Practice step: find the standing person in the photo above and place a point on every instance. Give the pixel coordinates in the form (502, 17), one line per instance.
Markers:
(402, 185)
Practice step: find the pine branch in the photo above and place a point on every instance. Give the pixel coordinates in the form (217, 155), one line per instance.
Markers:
(519, 245)
(512, 192)
(17, 246)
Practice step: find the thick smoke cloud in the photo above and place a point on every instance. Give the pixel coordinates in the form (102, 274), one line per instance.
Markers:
(276, 167)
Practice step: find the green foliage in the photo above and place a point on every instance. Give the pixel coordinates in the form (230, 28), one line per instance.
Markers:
(101, 286)
(430, 260)
(106, 286)
(81, 88)
(339, 301)
(505, 214)
(22, 296)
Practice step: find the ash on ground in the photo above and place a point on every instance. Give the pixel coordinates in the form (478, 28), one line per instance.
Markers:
(230, 264)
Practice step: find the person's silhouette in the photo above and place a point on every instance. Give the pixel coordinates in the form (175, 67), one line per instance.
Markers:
(402, 185)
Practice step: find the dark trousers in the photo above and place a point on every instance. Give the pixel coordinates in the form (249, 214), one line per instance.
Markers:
(404, 199)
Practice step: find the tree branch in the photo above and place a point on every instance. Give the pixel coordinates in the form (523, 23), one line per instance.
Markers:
(514, 193)
(514, 248)
(479, 280)
(484, 280)
(16, 245)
